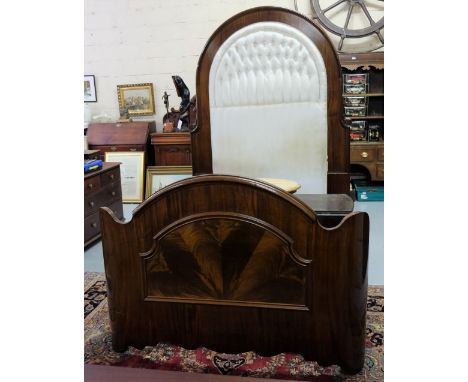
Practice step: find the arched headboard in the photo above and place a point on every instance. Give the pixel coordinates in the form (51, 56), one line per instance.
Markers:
(269, 102)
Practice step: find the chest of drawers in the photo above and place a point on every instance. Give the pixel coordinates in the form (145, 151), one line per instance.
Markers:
(172, 149)
(371, 156)
(102, 188)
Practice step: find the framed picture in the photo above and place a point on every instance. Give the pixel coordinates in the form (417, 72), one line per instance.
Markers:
(131, 173)
(89, 88)
(136, 99)
(158, 177)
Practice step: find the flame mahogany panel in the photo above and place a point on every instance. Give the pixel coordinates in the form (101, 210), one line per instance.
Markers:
(304, 291)
(229, 259)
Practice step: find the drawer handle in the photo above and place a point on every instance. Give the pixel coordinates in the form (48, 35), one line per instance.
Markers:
(133, 150)
(113, 193)
(112, 176)
(90, 185)
(94, 225)
(91, 204)
(113, 148)
(364, 154)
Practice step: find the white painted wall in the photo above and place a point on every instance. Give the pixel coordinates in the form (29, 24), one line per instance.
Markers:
(139, 41)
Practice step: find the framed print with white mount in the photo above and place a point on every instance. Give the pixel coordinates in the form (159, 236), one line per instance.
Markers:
(89, 88)
(131, 173)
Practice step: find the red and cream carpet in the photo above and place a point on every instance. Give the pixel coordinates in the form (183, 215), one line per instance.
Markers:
(164, 356)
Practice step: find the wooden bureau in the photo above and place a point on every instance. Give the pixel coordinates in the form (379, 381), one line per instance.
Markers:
(371, 156)
(101, 189)
(122, 136)
(172, 149)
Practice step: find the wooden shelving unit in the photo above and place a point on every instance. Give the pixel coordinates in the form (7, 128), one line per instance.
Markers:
(368, 154)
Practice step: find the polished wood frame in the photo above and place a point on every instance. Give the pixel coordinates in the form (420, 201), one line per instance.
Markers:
(148, 87)
(163, 170)
(338, 136)
(323, 317)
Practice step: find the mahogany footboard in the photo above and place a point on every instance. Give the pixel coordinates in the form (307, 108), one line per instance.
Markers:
(234, 264)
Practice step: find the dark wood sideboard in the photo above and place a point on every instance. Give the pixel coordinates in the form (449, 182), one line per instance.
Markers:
(371, 156)
(368, 154)
(172, 149)
(102, 188)
(122, 136)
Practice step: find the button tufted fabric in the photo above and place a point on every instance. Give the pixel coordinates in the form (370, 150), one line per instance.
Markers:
(267, 63)
(268, 107)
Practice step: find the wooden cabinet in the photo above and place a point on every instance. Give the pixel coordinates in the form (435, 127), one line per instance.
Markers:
(172, 149)
(371, 156)
(101, 189)
(125, 136)
(92, 154)
(369, 153)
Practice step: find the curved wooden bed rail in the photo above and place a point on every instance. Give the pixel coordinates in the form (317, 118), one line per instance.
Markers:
(235, 264)
(337, 136)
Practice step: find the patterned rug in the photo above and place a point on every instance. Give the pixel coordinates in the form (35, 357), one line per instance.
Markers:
(164, 356)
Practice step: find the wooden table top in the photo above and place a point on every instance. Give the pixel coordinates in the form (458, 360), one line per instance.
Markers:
(323, 204)
(328, 204)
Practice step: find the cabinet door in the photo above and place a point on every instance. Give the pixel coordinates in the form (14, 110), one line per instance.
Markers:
(173, 155)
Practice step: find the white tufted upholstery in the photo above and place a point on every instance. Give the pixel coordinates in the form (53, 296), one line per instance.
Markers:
(268, 106)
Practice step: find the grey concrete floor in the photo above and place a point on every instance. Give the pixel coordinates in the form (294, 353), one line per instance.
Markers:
(93, 260)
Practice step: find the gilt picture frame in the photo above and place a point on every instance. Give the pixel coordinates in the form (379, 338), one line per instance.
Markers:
(136, 99)
(90, 94)
(158, 177)
(132, 165)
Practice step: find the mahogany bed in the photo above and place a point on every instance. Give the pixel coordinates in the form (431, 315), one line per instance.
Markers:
(234, 264)
(229, 262)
